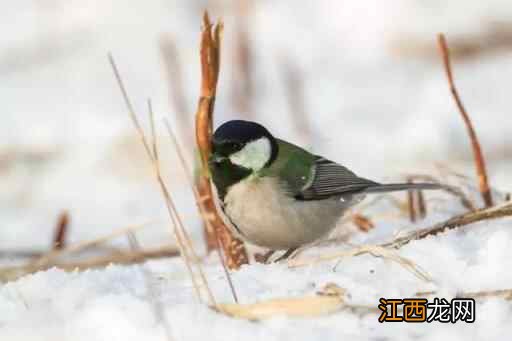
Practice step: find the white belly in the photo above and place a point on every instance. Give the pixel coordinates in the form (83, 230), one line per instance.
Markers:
(264, 215)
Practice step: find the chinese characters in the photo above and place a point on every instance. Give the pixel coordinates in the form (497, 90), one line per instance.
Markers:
(420, 310)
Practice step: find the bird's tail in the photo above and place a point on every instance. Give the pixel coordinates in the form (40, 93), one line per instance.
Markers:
(401, 187)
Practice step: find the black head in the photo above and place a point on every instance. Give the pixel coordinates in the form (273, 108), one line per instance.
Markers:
(233, 136)
(240, 148)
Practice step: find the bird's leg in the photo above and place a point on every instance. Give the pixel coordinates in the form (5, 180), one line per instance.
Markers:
(263, 258)
(285, 255)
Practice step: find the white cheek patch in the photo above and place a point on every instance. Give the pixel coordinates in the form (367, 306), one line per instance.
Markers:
(254, 155)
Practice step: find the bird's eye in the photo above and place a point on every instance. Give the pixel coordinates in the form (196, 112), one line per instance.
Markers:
(235, 146)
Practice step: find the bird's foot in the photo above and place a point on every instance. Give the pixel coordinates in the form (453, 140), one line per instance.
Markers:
(264, 258)
(285, 255)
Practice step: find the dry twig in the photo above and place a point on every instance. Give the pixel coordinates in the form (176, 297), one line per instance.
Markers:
(61, 230)
(233, 248)
(477, 151)
(119, 257)
(494, 212)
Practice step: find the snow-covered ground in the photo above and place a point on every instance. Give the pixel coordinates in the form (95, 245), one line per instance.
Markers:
(68, 145)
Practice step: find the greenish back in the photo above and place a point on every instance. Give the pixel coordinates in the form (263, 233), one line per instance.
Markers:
(293, 165)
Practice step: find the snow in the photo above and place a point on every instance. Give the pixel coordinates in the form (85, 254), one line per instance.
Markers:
(69, 145)
(113, 303)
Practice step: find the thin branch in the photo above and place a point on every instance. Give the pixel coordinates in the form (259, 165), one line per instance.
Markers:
(477, 151)
(494, 212)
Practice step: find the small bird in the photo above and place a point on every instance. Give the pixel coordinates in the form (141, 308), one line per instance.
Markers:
(279, 196)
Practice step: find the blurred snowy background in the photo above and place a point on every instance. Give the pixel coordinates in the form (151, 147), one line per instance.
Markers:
(366, 76)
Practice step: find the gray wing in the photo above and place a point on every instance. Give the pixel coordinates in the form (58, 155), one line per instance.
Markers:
(332, 179)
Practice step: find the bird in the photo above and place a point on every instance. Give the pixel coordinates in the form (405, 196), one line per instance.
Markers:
(277, 195)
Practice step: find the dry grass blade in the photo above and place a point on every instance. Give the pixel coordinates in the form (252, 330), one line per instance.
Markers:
(201, 205)
(494, 212)
(61, 230)
(128, 103)
(154, 147)
(186, 251)
(299, 307)
(330, 299)
(181, 233)
(477, 151)
(233, 248)
(119, 257)
(374, 250)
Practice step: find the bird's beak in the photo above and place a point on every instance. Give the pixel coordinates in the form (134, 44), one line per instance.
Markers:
(215, 158)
